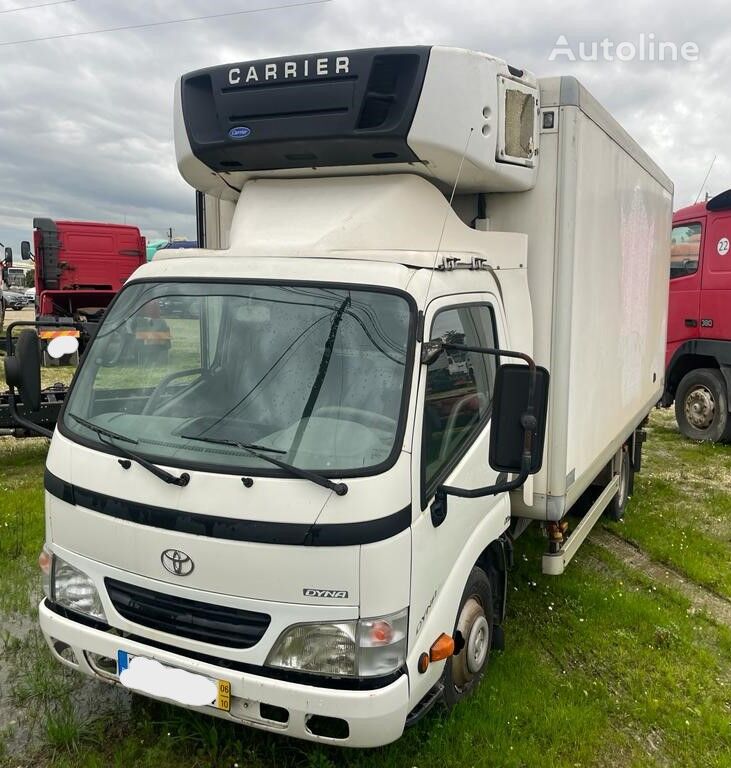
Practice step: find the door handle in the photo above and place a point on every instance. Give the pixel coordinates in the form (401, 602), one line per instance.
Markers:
(691, 323)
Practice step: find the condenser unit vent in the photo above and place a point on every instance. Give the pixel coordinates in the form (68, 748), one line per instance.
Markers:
(519, 124)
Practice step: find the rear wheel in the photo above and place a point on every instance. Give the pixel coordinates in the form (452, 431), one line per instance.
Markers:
(701, 405)
(473, 632)
(615, 508)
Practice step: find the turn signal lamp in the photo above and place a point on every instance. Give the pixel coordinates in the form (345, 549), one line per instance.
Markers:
(442, 648)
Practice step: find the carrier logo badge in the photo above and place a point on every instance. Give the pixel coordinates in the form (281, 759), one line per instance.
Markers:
(240, 132)
(176, 562)
(330, 594)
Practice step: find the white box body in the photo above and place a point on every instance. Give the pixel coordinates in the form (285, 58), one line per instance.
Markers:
(598, 280)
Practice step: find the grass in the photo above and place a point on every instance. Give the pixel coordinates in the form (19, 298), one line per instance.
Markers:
(21, 521)
(61, 374)
(681, 510)
(602, 668)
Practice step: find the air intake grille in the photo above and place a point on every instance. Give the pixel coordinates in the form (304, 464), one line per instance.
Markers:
(204, 622)
(392, 78)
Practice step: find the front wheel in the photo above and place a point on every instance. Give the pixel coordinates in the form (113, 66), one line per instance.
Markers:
(473, 632)
(701, 405)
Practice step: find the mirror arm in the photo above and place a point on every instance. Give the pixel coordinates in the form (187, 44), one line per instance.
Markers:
(439, 505)
(31, 426)
(490, 490)
(492, 351)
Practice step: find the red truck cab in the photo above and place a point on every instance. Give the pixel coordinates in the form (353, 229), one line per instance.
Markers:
(81, 265)
(698, 357)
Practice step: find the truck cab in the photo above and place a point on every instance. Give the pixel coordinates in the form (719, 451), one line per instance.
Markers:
(698, 359)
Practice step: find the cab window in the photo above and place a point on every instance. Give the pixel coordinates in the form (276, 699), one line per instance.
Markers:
(459, 390)
(685, 250)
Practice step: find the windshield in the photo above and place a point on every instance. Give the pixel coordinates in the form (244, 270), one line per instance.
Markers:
(313, 376)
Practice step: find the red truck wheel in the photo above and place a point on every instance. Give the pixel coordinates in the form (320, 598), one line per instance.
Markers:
(701, 405)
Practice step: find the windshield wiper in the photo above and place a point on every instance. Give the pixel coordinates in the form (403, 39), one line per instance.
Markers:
(339, 488)
(168, 477)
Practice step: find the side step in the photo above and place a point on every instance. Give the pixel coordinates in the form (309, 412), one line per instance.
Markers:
(433, 695)
(554, 563)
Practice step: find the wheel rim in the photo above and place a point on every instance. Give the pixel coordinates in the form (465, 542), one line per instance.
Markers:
(475, 630)
(700, 407)
(477, 645)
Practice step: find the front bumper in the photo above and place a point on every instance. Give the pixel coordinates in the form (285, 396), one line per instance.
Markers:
(374, 717)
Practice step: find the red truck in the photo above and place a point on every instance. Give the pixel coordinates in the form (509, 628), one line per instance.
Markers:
(79, 268)
(80, 265)
(698, 357)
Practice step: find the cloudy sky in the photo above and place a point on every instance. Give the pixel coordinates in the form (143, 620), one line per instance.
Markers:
(86, 119)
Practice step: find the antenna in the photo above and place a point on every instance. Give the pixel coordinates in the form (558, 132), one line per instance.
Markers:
(706, 179)
(446, 215)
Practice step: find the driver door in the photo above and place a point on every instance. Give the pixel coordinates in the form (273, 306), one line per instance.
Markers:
(685, 283)
(451, 440)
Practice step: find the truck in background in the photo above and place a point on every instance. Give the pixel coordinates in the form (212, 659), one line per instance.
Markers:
(79, 268)
(698, 375)
(81, 265)
(308, 507)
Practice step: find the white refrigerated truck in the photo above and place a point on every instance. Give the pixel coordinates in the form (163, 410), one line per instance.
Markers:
(287, 479)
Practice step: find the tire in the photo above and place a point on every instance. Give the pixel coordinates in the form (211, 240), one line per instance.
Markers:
(465, 669)
(701, 406)
(615, 508)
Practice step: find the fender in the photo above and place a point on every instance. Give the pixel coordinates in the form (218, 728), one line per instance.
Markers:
(443, 605)
(716, 350)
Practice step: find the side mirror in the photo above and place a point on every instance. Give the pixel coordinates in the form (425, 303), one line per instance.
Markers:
(511, 421)
(25, 253)
(518, 428)
(8, 256)
(23, 370)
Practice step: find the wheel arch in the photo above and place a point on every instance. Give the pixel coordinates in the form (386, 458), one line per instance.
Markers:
(693, 354)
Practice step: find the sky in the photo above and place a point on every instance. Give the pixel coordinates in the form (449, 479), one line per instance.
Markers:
(86, 118)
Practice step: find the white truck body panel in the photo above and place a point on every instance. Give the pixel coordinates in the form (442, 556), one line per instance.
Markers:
(597, 272)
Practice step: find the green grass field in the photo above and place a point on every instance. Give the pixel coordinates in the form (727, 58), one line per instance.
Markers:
(603, 666)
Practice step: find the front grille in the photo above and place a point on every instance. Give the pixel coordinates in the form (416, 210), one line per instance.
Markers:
(207, 623)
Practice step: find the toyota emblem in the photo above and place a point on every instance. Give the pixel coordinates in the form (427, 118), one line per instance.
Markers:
(176, 562)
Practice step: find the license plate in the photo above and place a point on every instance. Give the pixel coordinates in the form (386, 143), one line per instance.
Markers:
(138, 673)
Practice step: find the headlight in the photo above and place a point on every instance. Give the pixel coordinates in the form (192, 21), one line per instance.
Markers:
(362, 648)
(73, 589)
(325, 648)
